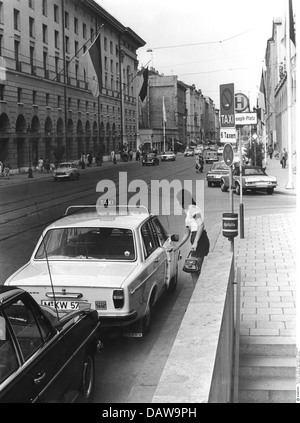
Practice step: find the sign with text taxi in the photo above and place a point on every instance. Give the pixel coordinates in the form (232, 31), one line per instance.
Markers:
(227, 106)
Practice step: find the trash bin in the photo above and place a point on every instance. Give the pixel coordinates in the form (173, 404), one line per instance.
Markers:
(230, 225)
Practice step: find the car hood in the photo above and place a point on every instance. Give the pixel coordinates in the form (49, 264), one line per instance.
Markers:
(218, 172)
(260, 178)
(73, 274)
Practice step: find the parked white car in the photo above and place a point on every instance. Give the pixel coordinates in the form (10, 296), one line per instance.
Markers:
(118, 264)
(66, 170)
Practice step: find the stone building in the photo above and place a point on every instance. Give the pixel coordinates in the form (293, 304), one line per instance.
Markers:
(46, 105)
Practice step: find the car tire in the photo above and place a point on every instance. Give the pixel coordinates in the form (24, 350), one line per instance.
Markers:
(147, 319)
(209, 184)
(224, 188)
(173, 282)
(87, 377)
(270, 191)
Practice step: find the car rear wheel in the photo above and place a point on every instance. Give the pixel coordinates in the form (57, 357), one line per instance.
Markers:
(224, 188)
(147, 320)
(88, 377)
(270, 191)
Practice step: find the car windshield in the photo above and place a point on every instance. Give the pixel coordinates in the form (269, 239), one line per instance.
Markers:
(151, 156)
(87, 243)
(64, 165)
(253, 171)
(219, 166)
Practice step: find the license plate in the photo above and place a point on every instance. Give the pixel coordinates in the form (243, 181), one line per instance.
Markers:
(100, 305)
(61, 305)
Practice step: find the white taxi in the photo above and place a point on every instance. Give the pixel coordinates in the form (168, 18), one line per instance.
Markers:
(119, 264)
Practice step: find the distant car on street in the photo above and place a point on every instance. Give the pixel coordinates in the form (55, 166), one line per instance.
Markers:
(210, 155)
(253, 179)
(66, 170)
(119, 264)
(189, 152)
(44, 358)
(168, 156)
(217, 170)
(150, 159)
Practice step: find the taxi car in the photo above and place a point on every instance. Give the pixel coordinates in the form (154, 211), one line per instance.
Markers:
(253, 179)
(118, 263)
(189, 152)
(168, 156)
(217, 170)
(44, 357)
(66, 170)
(210, 155)
(150, 159)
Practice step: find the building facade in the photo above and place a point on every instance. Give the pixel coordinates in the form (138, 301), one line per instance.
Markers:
(46, 106)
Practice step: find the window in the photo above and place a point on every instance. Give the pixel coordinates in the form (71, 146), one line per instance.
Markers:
(8, 358)
(31, 52)
(76, 25)
(56, 39)
(2, 90)
(160, 231)
(58, 101)
(105, 43)
(45, 34)
(17, 49)
(16, 19)
(76, 47)
(47, 100)
(78, 104)
(1, 41)
(1, 11)
(67, 21)
(111, 48)
(148, 239)
(84, 30)
(19, 95)
(33, 97)
(44, 8)
(31, 4)
(67, 44)
(56, 14)
(31, 27)
(45, 64)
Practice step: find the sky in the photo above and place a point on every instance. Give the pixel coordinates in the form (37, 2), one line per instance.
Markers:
(207, 43)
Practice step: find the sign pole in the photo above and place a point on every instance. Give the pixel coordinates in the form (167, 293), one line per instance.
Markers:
(241, 190)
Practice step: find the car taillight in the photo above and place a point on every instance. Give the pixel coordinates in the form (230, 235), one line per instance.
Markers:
(118, 298)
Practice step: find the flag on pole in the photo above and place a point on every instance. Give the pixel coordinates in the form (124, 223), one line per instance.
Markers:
(144, 88)
(92, 63)
(164, 112)
(292, 24)
(261, 102)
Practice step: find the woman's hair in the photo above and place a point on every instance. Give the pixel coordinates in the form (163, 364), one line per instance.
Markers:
(185, 198)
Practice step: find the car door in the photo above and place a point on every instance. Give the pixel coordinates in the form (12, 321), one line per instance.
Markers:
(40, 356)
(155, 257)
(165, 242)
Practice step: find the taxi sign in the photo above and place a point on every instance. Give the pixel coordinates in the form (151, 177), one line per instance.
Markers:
(228, 155)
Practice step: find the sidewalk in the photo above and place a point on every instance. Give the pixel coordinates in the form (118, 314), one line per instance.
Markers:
(274, 169)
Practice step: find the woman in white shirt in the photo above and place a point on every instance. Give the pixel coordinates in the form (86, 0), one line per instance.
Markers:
(195, 230)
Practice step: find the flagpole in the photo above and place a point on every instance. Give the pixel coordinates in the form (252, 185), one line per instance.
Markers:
(289, 97)
(164, 124)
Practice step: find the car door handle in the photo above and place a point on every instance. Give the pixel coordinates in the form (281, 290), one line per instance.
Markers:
(39, 377)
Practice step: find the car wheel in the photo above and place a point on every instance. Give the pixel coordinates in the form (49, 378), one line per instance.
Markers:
(147, 319)
(270, 191)
(88, 377)
(224, 188)
(173, 282)
(209, 184)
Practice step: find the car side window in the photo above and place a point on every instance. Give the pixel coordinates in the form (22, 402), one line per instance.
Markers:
(149, 242)
(8, 357)
(162, 236)
(28, 333)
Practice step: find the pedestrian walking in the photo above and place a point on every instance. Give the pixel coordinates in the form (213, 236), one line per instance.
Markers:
(264, 164)
(41, 165)
(90, 159)
(82, 161)
(283, 158)
(138, 156)
(6, 170)
(270, 151)
(130, 155)
(194, 230)
(112, 156)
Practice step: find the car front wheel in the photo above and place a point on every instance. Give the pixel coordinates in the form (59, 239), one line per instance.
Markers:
(88, 377)
(147, 320)
(224, 188)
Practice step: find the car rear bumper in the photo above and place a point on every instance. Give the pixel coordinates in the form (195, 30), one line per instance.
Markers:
(118, 320)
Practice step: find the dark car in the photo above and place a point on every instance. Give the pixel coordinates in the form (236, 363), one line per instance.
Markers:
(150, 159)
(214, 175)
(44, 358)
